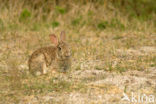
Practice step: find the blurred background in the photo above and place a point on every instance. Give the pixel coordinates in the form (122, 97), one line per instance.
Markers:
(95, 15)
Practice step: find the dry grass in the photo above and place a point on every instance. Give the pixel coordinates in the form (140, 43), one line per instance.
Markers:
(102, 38)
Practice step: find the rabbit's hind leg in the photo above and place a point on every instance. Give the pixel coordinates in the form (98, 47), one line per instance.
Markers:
(39, 65)
(36, 69)
(41, 69)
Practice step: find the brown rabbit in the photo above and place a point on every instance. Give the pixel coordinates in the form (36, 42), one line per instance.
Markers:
(47, 58)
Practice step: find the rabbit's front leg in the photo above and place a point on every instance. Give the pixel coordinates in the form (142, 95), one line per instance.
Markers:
(45, 68)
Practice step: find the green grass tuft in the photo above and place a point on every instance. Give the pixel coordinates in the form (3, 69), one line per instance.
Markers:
(55, 24)
(25, 15)
(60, 10)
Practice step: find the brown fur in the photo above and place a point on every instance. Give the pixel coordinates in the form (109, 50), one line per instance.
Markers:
(44, 58)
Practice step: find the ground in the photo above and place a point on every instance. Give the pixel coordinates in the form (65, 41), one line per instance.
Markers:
(88, 81)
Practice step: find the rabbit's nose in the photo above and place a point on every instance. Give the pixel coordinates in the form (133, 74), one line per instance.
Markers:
(67, 54)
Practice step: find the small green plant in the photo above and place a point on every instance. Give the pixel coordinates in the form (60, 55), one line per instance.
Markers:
(115, 23)
(78, 67)
(102, 25)
(1, 24)
(25, 15)
(13, 26)
(61, 85)
(81, 87)
(120, 68)
(35, 27)
(98, 67)
(55, 24)
(125, 89)
(90, 13)
(76, 21)
(110, 67)
(60, 10)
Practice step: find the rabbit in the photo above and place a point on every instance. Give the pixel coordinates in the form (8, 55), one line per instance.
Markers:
(46, 58)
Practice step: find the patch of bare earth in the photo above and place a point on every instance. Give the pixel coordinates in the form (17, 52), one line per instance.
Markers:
(102, 87)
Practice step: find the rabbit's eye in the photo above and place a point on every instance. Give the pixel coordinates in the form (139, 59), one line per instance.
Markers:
(59, 48)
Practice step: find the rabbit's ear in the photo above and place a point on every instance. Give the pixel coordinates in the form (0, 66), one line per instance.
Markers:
(53, 39)
(63, 36)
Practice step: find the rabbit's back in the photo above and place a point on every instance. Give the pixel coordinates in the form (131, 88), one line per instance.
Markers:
(40, 58)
